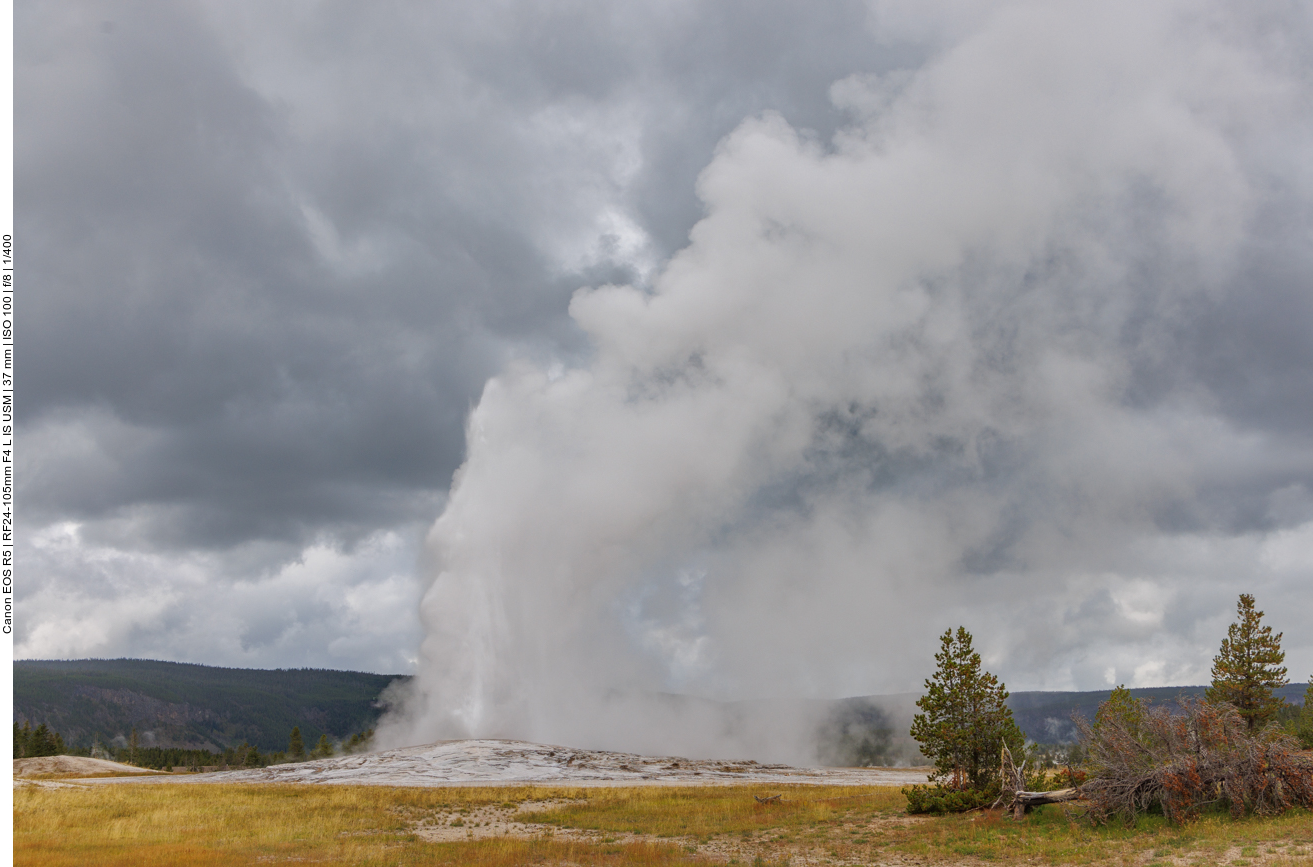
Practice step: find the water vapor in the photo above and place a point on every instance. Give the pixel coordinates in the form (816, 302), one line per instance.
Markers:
(943, 368)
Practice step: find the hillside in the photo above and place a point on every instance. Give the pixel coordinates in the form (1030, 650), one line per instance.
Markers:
(1045, 717)
(873, 729)
(174, 704)
(202, 707)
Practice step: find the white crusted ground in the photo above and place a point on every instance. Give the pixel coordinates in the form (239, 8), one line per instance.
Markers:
(71, 766)
(498, 762)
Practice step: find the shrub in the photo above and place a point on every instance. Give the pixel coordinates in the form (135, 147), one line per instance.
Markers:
(942, 799)
(1185, 761)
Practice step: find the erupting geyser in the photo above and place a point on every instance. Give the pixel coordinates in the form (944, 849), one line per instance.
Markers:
(928, 373)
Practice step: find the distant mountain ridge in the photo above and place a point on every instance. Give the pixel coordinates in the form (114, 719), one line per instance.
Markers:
(1045, 717)
(175, 704)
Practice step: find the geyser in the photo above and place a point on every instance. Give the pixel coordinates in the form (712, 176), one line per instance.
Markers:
(935, 371)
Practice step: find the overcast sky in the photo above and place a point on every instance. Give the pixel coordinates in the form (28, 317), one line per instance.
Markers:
(1042, 363)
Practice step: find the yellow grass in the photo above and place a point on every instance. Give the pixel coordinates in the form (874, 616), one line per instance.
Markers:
(204, 824)
(163, 824)
(669, 811)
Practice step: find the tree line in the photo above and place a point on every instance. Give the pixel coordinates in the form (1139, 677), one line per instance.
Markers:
(44, 741)
(244, 756)
(1239, 746)
(359, 742)
(33, 742)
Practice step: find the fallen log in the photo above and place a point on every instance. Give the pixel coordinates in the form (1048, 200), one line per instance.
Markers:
(1016, 799)
(1038, 799)
(773, 799)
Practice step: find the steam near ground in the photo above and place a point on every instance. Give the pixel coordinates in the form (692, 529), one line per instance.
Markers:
(954, 366)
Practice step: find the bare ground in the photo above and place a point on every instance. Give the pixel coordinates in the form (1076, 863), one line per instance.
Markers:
(845, 843)
(493, 762)
(499, 820)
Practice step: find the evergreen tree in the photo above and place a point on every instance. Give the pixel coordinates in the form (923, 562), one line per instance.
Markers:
(1248, 669)
(323, 749)
(295, 747)
(133, 743)
(1304, 725)
(1124, 710)
(41, 742)
(965, 721)
(1122, 717)
(359, 742)
(21, 737)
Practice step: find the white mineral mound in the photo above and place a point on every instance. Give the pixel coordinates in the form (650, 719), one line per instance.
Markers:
(499, 762)
(71, 766)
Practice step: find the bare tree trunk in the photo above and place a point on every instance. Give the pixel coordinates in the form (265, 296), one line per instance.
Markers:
(1014, 796)
(1037, 799)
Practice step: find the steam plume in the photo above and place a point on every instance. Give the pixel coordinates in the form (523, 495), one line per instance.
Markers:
(931, 372)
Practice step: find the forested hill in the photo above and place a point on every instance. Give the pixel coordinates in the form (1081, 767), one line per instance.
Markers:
(1045, 717)
(173, 704)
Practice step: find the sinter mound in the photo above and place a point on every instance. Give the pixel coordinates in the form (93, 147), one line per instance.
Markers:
(71, 766)
(499, 762)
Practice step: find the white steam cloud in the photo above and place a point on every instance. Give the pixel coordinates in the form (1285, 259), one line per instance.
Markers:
(895, 382)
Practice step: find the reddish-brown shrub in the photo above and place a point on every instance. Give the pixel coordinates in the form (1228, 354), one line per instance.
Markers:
(1187, 759)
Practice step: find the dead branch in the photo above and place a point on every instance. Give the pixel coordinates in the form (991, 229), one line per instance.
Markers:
(1187, 760)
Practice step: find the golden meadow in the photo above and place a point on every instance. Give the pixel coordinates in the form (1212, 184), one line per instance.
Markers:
(145, 825)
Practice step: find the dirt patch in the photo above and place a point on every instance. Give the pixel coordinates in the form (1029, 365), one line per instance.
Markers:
(831, 846)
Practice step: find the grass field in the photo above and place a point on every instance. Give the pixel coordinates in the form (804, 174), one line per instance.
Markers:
(178, 824)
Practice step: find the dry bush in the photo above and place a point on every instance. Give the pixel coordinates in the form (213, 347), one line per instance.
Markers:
(1188, 759)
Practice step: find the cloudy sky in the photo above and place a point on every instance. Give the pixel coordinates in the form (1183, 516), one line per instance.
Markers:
(786, 336)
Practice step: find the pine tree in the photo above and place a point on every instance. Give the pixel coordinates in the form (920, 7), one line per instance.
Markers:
(1304, 725)
(1248, 669)
(1122, 708)
(295, 746)
(323, 749)
(41, 742)
(133, 743)
(965, 720)
(21, 737)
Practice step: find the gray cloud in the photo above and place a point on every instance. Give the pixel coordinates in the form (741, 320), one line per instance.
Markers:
(977, 358)
(274, 252)
(995, 317)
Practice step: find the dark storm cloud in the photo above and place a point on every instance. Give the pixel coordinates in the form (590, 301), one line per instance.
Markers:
(1022, 346)
(272, 253)
(277, 250)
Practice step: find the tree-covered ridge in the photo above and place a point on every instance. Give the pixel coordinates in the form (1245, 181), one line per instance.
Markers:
(197, 707)
(180, 705)
(1045, 717)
